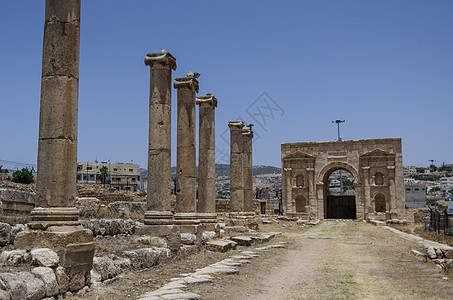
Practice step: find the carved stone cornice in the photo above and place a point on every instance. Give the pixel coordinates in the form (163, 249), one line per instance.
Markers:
(310, 169)
(209, 99)
(236, 124)
(247, 132)
(163, 58)
(186, 82)
(287, 169)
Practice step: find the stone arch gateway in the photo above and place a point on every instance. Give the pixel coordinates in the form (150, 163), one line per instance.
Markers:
(376, 166)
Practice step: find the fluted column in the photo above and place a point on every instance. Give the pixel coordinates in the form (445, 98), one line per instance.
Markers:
(185, 152)
(247, 167)
(206, 153)
(158, 201)
(236, 169)
(57, 145)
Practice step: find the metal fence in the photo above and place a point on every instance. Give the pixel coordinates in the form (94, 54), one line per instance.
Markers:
(439, 222)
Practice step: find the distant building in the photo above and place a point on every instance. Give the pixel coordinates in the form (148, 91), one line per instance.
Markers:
(415, 195)
(122, 176)
(446, 183)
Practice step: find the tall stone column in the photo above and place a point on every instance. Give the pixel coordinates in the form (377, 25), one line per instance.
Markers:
(247, 135)
(185, 152)
(158, 201)
(54, 220)
(236, 169)
(57, 145)
(206, 153)
(288, 188)
(367, 190)
(311, 192)
(392, 191)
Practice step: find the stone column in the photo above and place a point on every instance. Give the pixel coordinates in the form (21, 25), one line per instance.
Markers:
(320, 205)
(236, 169)
(57, 145)
(206, 153)
(247, 167)
(288, 188)
(367, 190)
(185, 152)
(54, 219)
(158, 201)
(391, 203)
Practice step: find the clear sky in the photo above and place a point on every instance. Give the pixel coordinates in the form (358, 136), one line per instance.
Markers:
(386, 67)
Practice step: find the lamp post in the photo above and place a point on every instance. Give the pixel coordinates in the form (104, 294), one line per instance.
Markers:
(339, 139)
(434, 183)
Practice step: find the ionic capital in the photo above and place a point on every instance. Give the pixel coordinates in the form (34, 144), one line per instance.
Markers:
(186, 82)
(163, 58)
(209, 99)
(236, 125)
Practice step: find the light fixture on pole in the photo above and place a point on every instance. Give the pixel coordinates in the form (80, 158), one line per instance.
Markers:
(339, 139)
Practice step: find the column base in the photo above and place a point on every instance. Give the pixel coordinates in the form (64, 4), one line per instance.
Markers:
(186, 219)
(159, 218)
(44, 217)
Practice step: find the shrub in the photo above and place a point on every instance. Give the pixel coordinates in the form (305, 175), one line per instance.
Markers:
(23, 176)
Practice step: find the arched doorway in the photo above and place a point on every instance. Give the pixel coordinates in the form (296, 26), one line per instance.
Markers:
(339, 194)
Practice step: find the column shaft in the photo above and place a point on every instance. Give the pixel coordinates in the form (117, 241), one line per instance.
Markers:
(185, 152)
(206, 154)
(57, 145)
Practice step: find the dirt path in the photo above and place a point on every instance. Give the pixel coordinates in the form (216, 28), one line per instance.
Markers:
(335, 260)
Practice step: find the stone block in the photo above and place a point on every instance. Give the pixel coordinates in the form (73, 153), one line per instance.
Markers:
(63, 11)
(62, 279)
(57, 159)
(188, 238)
(88, 206)
(44, 257)
(61, 49)
(58, 114)
(14, 257)
(5, 234)
(14, 285)
(35, 288)
(48, 277)
(242, 240)
(220, 245)
(105, 267)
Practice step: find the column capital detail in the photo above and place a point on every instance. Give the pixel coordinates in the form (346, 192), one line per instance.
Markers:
(209, 99)
(310, 169)
(390, 167)
(247, 131)
(186, 82)
(366, 168)
(287, 169)
(163, 58)
(236, 124)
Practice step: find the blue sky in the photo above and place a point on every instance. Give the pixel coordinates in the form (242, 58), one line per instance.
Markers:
(386, 67)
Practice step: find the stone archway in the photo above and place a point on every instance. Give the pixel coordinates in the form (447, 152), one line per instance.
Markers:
(376, 166)
(339, 206)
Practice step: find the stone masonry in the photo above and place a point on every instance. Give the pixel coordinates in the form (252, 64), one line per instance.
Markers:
(206, 154)
(236, 166)
(185, 153)
(376, 165)
(159, 154)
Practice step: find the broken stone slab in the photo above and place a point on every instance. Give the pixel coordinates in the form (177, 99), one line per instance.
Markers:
(265, 248)
(221, 245)
(188, 238)
(155, 241)
(261, 239)
(48, 277)
(44, 257)
(147, 257)
(105, 267)
(240, 257)
(431, 252)
(182, 296)
(217, 269)
(278, 246)
(242, 240)
(197, 279)
(208, 235)
(420, 256)
(249, 253)
(230, 262)
(266, 221)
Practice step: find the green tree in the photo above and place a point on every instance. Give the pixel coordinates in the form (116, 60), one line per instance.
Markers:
(23, 176)
(103, 174)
